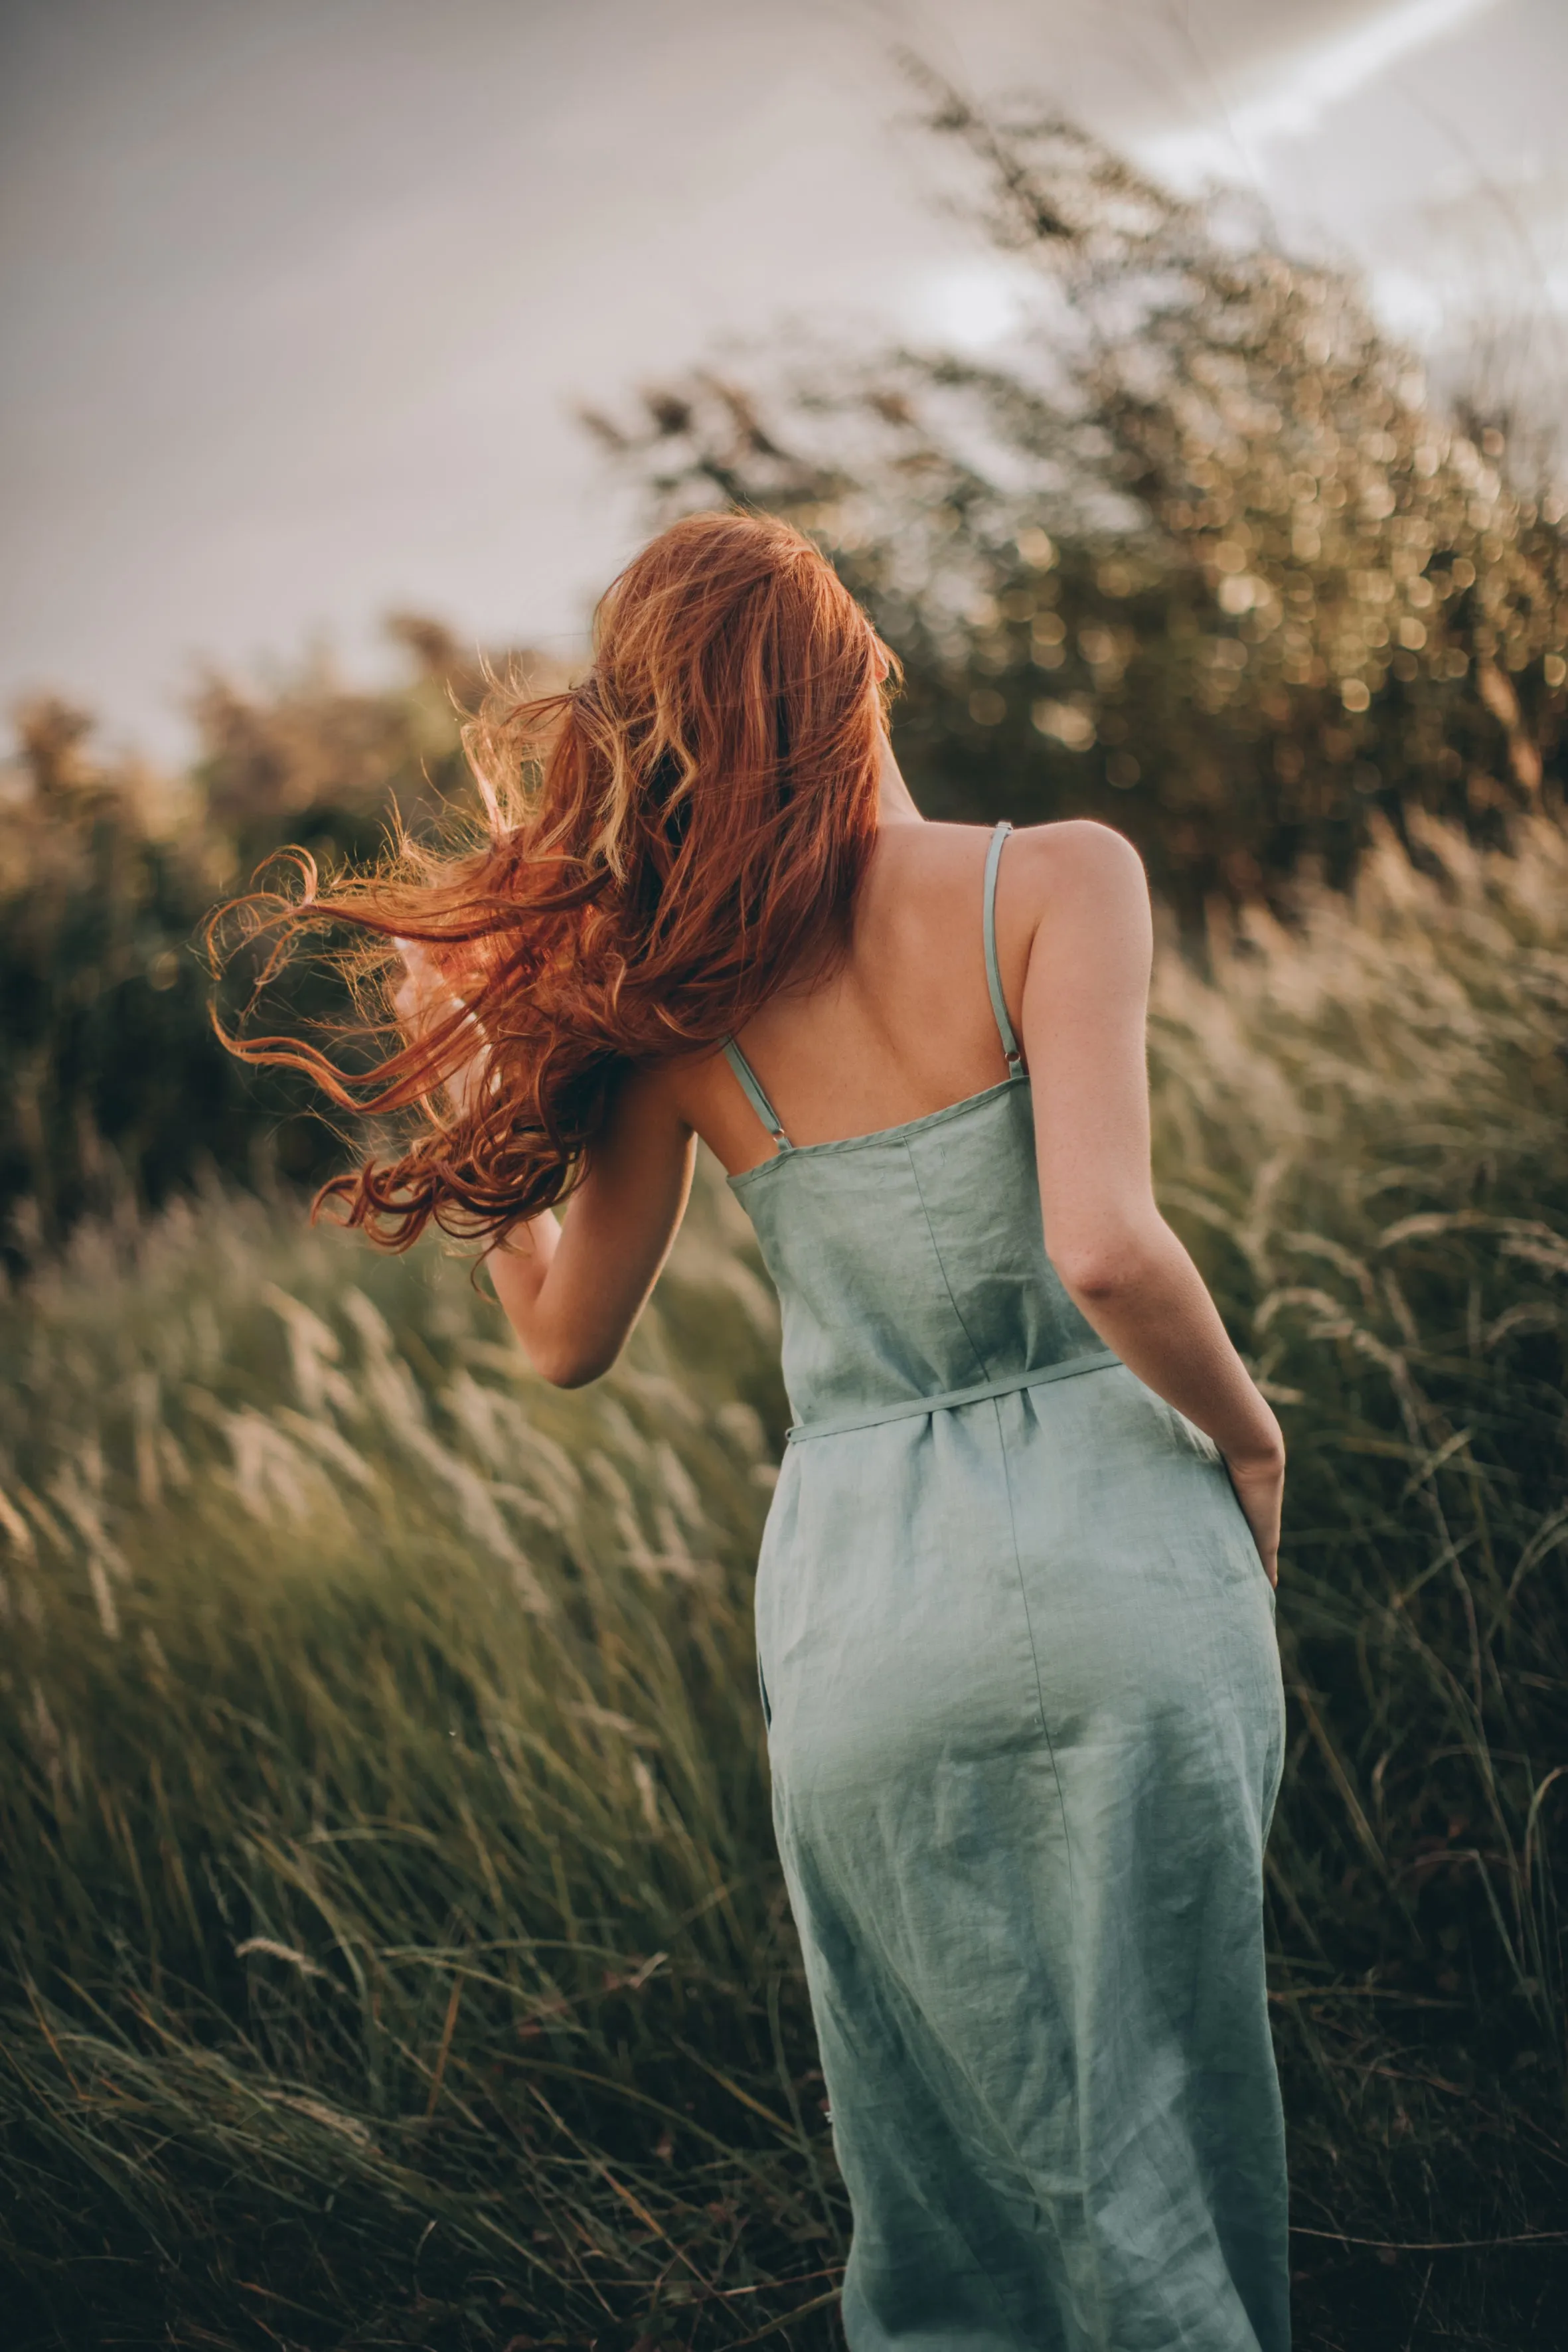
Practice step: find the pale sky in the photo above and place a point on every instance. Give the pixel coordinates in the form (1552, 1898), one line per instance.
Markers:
(299, 295)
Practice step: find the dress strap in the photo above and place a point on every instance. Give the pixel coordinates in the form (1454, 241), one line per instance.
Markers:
(754, 1095)
(993, 968)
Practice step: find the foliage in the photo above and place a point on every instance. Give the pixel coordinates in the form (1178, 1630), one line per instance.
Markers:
(384, 1813)
(1193, 553)
(111, 1079)
(394, 1946)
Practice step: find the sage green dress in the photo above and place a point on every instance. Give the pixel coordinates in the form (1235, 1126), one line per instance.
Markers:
(1017, 1657)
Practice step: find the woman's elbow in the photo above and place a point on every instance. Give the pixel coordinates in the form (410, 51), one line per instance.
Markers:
(574, 1375)
(566, 1364)
(1090, 1280)
(1101, 1269)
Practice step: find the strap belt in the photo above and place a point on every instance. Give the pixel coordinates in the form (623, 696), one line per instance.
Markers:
(1099, 1360)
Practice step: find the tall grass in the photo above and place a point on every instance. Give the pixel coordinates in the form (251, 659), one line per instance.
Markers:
(395, 1948)
(391, 1914)
(1363, 1132)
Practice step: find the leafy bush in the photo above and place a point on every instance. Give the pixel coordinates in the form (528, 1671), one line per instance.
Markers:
(395, 1950)
(1197, 557)
(1196, 554)
(111, 1082)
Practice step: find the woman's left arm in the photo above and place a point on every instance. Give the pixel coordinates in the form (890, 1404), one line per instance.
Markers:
(572, 1287)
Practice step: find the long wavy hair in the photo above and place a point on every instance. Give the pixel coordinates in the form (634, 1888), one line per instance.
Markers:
(661, 848)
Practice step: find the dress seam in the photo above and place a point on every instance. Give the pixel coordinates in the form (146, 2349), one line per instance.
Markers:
(885, 1138)
(941, 1267)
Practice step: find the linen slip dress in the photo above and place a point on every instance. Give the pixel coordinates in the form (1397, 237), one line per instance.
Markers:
(1026, 1724)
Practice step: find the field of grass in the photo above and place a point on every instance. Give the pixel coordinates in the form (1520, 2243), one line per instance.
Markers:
(394, 1948)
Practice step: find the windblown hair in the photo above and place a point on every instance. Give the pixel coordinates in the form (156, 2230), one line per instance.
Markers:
(664, 846)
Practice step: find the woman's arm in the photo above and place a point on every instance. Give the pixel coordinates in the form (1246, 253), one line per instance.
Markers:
(1084, 1008)
(572, 1287)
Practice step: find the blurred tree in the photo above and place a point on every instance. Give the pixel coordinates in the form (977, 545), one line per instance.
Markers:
(105, 1056)
(110, 1078)
(1192, 552)
(318, 766)
(1194, 555)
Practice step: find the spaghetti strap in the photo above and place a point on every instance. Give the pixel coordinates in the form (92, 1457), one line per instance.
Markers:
(754, 1095)
(994, 970)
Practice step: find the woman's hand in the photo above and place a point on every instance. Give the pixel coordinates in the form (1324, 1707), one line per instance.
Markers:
(1259, 1484)
(424, 999)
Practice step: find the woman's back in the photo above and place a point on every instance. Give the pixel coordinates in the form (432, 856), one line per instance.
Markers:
(909, 1256)
(904, 1026)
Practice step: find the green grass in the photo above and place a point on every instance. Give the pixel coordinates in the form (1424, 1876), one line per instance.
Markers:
(394, 1951)
(387, 1803)
(1364, 1132)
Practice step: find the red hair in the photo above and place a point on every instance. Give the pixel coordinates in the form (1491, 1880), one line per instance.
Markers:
(664, 846)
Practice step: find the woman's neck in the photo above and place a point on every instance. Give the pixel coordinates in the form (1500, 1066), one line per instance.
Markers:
(895, 802)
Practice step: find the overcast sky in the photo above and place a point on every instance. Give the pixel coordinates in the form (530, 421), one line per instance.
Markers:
(299, 295)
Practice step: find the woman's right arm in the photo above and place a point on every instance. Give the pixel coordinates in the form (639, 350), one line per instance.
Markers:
(572, 1285)
(1084, 1012)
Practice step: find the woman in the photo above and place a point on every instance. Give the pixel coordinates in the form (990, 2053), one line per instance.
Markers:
(1013, 1605)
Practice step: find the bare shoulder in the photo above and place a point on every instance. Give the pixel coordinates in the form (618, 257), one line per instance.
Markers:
(1081, 912)
(1080, 859)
